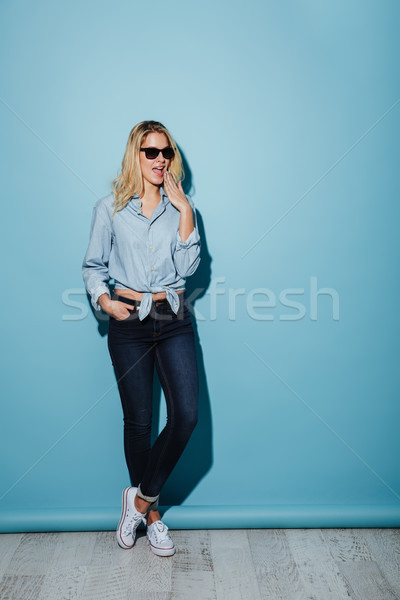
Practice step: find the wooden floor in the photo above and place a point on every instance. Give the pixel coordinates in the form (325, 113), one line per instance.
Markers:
(250, 564)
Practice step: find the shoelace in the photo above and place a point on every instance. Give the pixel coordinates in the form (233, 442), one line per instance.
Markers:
(160, 531)
(131, 522)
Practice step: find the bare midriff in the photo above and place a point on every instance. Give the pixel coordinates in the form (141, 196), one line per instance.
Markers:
(129, 293)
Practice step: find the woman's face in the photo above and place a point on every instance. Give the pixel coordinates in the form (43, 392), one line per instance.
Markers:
(153, 169)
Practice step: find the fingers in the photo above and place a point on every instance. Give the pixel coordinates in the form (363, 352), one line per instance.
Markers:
(171, 177)
(176, 191)
(169, 180)
(126, 305)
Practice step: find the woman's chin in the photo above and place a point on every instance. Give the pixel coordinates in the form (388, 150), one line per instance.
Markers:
(155, 180)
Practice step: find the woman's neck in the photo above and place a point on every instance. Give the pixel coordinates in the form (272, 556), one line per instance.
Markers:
(151, 194)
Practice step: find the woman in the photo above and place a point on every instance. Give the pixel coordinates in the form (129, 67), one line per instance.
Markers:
(144, 235)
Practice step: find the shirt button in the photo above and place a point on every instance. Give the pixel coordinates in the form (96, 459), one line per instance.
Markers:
(151, 247)
(138, 201)
(138, 212)
(152, 268)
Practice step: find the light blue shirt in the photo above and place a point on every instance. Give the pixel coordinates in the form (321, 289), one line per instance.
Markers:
(147, 255)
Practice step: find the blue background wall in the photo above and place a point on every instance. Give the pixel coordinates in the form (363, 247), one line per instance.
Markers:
(288, 117)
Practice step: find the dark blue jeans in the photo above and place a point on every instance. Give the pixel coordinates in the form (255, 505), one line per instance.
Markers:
(165, 340)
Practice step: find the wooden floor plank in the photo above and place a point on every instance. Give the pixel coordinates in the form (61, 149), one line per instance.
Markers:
(9, 542)
(355, 561)
(127, 572)
(321, 576)
(347, 545)
(193, 569)
(63, 584)
(385, 549)
(277, 573)
(34, 554)
(74, 549)
(21, 587)
(234, 572)
(367, 581)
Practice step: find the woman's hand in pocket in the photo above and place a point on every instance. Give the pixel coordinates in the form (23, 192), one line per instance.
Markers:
(115, 308)
(120, 310)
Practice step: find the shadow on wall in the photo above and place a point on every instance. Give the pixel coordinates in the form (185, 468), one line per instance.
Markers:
(197, 457)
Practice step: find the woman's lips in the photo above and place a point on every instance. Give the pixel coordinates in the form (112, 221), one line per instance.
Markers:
(158, 172)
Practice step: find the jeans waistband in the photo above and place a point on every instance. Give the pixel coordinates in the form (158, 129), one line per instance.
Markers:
(136, 303)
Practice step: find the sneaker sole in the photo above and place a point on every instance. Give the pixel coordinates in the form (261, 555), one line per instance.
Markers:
(120, 541)
(162, 551)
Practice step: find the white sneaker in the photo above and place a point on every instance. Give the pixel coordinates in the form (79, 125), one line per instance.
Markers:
(130, 519)
(159, 539)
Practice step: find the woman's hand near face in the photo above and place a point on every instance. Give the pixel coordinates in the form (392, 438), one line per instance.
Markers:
(175, 193)
(177, 197)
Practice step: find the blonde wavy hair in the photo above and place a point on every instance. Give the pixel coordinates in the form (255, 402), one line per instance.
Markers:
(130, 181)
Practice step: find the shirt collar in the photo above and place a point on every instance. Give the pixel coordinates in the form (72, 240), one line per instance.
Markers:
(164, 197)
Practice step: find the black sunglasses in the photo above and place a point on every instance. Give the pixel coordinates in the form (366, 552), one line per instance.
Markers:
(152, 153)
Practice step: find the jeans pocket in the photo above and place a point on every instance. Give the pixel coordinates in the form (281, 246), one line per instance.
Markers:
(132, 316)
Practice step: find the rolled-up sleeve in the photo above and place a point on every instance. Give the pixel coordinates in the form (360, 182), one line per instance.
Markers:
(187, 253)
(95, 264)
